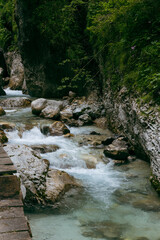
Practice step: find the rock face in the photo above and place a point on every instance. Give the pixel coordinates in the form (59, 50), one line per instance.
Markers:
(42, 79)
(47, 108)
(16, 102)
(139, 122)
(2, 92)
(15, 69)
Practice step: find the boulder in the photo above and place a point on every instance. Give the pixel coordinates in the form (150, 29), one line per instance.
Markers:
(15, 69)
(3, 137)
(2, 112)
(31, 169)
(16, 102)
(66, 114)
(47, 108)
(38, 105)
(57, 183)
(118, 150)
(58, 128)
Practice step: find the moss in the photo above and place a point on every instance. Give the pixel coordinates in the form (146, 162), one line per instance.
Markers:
(155, 183)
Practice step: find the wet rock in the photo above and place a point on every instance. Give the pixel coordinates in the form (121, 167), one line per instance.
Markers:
(94, 140)
(108, 141)
(69, 135)
(117, 150)
(38, 105)
(16, 102)
(15, 69)
(45, 148)
(57, 184)
(47, 108)
(3, 137)
(31, 169)
(7, 125)
(101, 122)
(2, 112)
(51, 112)
(58, 128)
(90, 160)
(85, 119)
(66, 114)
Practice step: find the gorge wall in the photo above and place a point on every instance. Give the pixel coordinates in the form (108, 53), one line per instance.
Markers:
(123, 57)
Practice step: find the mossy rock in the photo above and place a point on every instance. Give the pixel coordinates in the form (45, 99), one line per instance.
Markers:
(155, 183)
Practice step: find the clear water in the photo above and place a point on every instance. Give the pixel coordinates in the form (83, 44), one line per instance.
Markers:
(117, 202)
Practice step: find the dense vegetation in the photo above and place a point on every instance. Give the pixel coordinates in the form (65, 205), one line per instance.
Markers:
(8, 27)
(120, 36)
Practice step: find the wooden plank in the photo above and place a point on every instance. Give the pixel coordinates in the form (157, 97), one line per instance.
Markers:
(5, 161)
(4, 169)
(3, 155)
(11, 212)
(15, 236)
(9, 186)
(11, 203)
(13, 225)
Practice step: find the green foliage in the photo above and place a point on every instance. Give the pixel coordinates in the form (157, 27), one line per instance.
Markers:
(8, 27)
(126, 33)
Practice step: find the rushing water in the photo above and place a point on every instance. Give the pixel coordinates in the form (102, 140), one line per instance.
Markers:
(117, 202)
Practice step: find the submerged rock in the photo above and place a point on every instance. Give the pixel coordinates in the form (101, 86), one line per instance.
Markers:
(2, 112)
(106, 229)
(16, 102)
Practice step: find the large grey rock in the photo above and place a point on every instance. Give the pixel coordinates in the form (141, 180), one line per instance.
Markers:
(38, 105)
(31, 169)
(16, 102)
(15, 69)
(47, 108)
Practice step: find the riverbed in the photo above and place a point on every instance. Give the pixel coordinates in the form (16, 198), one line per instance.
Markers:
(116, 202)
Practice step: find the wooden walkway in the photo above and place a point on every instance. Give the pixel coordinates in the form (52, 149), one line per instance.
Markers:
(13, 223)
